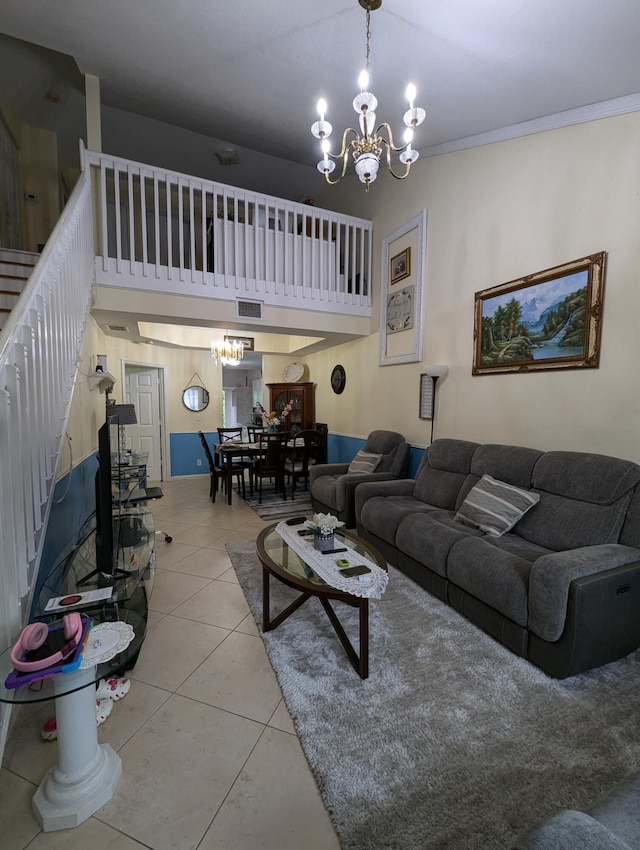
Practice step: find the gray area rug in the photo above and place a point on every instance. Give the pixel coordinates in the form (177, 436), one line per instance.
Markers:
(274, 507)
(452, 742)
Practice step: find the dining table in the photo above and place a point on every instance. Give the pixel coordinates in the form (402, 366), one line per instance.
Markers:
(230, 449)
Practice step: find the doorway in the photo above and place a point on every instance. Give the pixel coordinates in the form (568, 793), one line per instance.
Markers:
(144, 387)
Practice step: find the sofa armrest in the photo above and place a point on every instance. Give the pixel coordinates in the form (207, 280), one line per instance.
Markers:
(552, 574)
(319, 469)
(570, 830)
(346, 485)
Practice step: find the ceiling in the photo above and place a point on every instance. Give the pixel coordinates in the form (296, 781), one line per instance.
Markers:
(250, 73)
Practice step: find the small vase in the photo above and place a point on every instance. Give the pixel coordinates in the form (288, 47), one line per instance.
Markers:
(272, 428)
(322, 542)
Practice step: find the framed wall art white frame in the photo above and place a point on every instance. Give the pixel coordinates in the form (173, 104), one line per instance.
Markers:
(403, 342)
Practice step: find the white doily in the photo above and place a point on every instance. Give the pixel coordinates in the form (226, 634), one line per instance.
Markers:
(106, 640)
(325, 565)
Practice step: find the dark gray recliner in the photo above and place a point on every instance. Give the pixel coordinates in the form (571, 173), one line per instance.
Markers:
(333, 487)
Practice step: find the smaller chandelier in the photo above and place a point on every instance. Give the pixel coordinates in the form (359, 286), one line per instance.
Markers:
(367, 147)
(228, 352)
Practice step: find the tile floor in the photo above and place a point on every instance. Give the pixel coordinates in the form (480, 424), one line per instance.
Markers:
(210, 756)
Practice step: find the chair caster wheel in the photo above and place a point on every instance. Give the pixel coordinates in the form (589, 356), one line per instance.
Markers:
(168, 539)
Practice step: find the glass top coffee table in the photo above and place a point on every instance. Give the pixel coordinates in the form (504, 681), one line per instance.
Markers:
(279, 560)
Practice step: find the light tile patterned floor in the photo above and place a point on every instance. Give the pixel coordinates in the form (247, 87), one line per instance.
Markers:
(210, 756)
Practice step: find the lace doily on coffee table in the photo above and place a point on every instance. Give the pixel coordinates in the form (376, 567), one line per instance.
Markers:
(325, 566)
(106, 640)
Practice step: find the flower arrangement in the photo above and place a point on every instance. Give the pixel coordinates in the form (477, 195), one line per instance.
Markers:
(324, 523)
(273, 419)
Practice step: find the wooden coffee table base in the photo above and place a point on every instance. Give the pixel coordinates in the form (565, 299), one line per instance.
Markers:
(359, 662)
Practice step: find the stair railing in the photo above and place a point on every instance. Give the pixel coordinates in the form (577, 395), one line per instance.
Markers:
(39, 348)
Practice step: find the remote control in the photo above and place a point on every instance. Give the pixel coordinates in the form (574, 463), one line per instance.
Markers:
(296, 520)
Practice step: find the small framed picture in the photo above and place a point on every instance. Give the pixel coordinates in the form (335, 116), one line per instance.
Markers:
(400, 266)
(426, 396)
(245, 341)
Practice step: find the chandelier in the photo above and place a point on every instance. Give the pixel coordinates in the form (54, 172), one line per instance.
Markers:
(228, 352)
(368, 146)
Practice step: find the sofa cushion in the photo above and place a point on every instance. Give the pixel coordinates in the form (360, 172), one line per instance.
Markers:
(381, 515)
(443, 471)
(394, 450)
(586, 477)
(428, 538)
(498, 578)
(365, 462)
(494, 506)
(513, 464)
(561, 523)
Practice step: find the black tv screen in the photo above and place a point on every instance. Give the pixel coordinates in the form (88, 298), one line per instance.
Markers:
(105, 556)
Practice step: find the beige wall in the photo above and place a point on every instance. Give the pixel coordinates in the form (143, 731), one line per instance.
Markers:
(87, 406)
(180, 365)
(496, 213)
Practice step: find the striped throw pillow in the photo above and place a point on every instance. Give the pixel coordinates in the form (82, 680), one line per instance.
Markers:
(494, 506)
(365, 462)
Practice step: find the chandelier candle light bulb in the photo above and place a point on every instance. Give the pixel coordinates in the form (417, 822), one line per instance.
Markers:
(366, 148)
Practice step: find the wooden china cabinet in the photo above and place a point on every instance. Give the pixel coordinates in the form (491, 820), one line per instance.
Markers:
(301, 396)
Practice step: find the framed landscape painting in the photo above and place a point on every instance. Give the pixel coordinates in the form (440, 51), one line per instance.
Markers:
(548, 320)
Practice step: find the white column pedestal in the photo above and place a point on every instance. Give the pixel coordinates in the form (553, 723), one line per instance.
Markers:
(87, 773)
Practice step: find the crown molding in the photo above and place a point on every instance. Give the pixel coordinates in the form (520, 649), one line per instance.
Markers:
(581, 115)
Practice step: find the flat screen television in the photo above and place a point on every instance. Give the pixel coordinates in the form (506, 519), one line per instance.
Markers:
(105, 554)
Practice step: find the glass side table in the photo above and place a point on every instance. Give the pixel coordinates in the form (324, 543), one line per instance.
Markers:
(87, 773)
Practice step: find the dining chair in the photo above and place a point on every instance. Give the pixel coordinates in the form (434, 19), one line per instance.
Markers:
(213, 486)
(270, 461)
(305, 452)
(240, 463)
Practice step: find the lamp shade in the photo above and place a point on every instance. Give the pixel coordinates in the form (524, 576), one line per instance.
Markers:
(122, 414)
(437, 370)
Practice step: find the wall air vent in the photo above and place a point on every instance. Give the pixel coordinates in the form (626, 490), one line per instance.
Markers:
(118, 329)
(249, 309)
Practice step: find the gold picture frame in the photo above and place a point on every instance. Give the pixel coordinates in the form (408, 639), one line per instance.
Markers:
(548, 320)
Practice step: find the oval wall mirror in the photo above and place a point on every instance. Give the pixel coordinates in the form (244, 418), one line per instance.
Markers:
(195, 398)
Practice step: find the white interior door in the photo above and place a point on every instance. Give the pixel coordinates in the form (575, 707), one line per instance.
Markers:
(142, 388)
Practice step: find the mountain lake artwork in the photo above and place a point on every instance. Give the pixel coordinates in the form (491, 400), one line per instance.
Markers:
(548, 320)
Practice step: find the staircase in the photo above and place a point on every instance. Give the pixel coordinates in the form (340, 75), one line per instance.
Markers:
(15, 269)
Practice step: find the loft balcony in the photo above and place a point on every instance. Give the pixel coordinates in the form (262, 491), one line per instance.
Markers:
(162, 232)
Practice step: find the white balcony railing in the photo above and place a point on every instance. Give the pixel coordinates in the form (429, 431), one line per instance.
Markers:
(167, 232)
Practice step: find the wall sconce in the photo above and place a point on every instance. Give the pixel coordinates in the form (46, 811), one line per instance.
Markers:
(435, 371)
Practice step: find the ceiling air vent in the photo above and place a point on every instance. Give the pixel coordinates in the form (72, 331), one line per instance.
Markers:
(249, 309)
(118, 329)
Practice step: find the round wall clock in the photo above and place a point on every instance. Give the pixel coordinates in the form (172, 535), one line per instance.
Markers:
(338, 379)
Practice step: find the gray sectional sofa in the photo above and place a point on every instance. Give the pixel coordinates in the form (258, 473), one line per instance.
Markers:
(561, 587)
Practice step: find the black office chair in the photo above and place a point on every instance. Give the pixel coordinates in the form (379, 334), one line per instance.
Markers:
(306, 451)
(270, 461)
(213, 485)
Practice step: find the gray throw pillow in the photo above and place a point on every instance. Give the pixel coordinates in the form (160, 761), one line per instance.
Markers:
(365, 462)
(494, 506)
